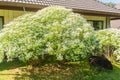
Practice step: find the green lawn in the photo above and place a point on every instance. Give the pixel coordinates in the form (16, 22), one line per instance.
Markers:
(70, 71)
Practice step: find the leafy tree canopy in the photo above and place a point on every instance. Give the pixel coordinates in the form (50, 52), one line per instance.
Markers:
(111, 4)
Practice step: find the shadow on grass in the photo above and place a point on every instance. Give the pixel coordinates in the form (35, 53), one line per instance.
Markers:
(67, 72)
(55, 72)
(10, 65)
(49, 72)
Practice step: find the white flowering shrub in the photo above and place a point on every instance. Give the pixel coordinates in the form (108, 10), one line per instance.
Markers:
(110, 41)
(53, 31)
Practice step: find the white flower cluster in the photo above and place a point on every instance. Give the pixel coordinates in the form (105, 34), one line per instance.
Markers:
(54, 31)
(110, 38)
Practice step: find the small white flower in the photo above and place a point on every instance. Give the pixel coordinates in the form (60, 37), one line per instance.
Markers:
(86, 35)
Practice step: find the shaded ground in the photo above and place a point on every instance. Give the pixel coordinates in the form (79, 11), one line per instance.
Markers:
(72, 71)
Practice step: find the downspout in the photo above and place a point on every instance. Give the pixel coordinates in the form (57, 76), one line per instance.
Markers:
(106, 22)
(24, 9)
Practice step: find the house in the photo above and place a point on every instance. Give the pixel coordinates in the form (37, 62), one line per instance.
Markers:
(96, 13)
(115, 21)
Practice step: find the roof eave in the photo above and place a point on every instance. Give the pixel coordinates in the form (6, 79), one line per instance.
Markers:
(20, 6)
(93, 12)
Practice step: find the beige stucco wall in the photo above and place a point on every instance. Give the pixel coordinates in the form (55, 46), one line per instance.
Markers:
(101, 18)
(115, 23)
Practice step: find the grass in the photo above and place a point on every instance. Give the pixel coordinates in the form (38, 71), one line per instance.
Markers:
(70, 71)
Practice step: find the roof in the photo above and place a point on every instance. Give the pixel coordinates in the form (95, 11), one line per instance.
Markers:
(117, 6)
(82, 6)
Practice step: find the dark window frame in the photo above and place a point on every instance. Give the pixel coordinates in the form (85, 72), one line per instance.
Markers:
(2, 20)
(98, 21)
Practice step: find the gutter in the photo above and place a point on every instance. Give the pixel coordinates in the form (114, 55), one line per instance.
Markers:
(99, 13)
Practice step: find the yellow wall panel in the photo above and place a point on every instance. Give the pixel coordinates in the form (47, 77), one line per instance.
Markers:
(9, 15)
(101, 18)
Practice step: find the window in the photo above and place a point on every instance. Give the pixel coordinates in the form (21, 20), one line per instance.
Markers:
(1, 22)
(96, 24)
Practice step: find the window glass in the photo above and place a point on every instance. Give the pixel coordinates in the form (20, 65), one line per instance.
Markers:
(96, 24)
